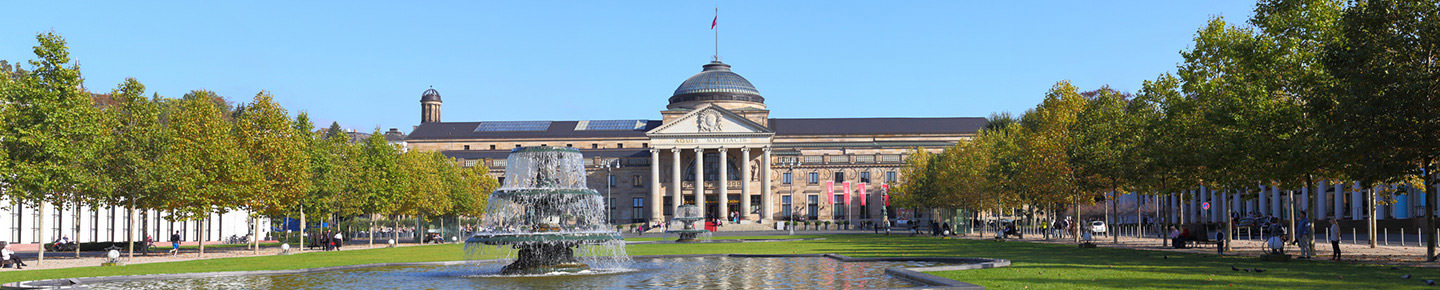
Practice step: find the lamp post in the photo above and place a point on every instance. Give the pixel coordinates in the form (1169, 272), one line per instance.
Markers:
(609, 167)
(792, 163)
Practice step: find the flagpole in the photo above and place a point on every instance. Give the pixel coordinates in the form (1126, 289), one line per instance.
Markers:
(716, 27)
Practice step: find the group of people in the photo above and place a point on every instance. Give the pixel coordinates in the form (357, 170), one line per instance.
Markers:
(329, 241)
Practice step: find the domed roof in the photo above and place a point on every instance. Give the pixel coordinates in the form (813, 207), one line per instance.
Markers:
(716, 82)
(430, 95)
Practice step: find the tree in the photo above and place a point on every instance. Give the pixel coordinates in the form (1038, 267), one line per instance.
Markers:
(49, 129)
(378, 181)
(138, 141)
(278, 153)
(205, 169)
(1102, 141)
(1384, 112)
(1048, 169)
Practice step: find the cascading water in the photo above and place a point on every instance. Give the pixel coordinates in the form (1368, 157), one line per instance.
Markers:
(545, 212)
(683, 224)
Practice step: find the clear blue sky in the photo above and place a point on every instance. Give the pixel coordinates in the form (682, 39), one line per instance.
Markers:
(365, 64)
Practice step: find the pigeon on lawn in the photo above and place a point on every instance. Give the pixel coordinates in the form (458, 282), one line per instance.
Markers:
(1394, 268)
(1430, 282)
(1247, 270)
(1407, 276)
(1258, 270)
(1232, 268)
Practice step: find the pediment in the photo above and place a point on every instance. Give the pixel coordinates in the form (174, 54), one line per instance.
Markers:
(711, 120)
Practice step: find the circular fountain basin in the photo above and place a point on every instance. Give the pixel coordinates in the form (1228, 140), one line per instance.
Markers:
(656, 272)
(514, 238)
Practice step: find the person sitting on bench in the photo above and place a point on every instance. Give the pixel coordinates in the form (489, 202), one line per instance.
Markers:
(9, 258)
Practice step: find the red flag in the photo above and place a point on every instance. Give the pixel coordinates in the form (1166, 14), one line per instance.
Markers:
(846, 187)
(714, 21)
(862, 194)
(829, 189)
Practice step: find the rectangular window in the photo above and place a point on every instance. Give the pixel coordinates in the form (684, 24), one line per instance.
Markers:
(636, 180)
(644, 145)
(814, 178)
(594, 146)
(619, 145)
(890, 176)
(517, 145)
(637, 209)
(839, 207)
(814, 209)
(610, 180)
(839, 176)
(569, 145)
(785, 206)
(467, 147)
(785, 178)
(492, 146)
(865, 177)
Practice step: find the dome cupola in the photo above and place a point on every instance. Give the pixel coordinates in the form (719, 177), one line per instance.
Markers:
(716, 84)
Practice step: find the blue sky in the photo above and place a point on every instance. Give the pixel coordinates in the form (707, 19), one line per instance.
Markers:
(365, 64)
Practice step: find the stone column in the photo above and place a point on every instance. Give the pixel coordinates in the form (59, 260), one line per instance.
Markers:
(656, 214)
(1262, 199)
(1275, 202)
(700, 180)
(1339, 200)
(724, 182)
(765, 199)
(1357, 202)
(676, 197)
(1320, 213)
(745, 183)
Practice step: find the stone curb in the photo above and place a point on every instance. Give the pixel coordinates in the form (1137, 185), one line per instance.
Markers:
(722, 241)
(914, 274)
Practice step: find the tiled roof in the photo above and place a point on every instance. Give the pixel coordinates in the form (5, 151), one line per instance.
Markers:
(782, 127)
(867, 126)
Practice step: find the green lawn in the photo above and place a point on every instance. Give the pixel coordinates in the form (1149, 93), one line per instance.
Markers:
(1036, 266)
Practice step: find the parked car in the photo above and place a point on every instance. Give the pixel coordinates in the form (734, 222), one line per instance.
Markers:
(1097, 226)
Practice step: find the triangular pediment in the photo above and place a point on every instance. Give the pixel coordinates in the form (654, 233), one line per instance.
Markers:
(711, 120)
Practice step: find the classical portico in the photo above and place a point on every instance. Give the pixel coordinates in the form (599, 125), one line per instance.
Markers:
(717, 148)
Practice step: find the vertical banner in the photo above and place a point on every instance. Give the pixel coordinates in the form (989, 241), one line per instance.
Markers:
(846, 187)
(829, 190)
(863, 197)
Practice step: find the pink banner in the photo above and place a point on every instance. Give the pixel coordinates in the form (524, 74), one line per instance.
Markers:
(862, 194)
(829, 189)
(846, 187)
(885, 191)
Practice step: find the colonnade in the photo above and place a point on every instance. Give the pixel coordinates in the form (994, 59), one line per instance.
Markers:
(676, 194)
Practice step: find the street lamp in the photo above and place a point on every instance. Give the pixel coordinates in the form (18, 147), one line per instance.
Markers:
(792, 163)
(609, 167)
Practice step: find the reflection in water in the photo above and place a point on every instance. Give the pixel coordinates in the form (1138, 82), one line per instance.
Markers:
(658, 273)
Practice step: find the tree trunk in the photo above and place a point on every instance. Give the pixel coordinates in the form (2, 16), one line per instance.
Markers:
(130, 233)
(1430, 210)
(255, 236)
(77, 230)
(302, 230)
(1290, 204)
(1076, 224)
(40, 232)
(372, 230)
(200, 236)
(1114, 210)
(1229, 220)
(1370, 217)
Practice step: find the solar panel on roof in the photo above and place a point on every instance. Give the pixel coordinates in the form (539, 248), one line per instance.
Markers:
(512, 126)
(610, 125)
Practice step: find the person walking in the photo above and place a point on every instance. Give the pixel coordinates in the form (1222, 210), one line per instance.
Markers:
(338, 240)
(1303, 237)
(175, 243)
(1334, 239)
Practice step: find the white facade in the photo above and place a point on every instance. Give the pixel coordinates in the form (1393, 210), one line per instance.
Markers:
(109, 224)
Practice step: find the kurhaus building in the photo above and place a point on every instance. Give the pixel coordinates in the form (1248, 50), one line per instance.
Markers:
(715, 146)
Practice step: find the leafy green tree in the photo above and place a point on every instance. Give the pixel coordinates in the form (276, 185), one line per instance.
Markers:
(1384, 112)
(138, 141)
(50, 129)
(378, 179)
(1103, 140)
(204, 168)
(277, 153)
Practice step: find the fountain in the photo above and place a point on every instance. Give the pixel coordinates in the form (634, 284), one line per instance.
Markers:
(546, 213)
(686, 216)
